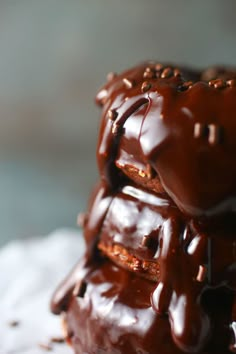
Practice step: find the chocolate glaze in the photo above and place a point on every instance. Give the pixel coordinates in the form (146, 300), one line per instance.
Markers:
(178, 130)
(115, 316)
(140, 213)
(99, 203)
(157, 128)
(178, 291)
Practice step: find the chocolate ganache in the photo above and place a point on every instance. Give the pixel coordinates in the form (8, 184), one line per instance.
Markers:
(159, 272)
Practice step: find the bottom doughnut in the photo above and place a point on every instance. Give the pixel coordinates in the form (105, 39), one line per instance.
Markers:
(113, 315)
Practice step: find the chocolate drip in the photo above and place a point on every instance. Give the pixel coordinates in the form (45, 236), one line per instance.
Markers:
(167, 148)
(99, 205)
(232, 346)
(167, 138)
(167, 141)
(178, 291)
(115, 316)
(110, 136)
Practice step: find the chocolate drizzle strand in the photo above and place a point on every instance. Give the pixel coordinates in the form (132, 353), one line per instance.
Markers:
(159, 271)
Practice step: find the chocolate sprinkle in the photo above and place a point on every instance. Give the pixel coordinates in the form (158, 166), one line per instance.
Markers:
(166, 73)
(187, 85)
(217, 84)
(231, 83)
(112, 114)
(215, 133)
(145, 86)
(149, 73)
(193, 193)
(202, 271)
(102, 97)
(116, 129)
(176, 73)
(199, 130)
(159, 67)
(128, 83)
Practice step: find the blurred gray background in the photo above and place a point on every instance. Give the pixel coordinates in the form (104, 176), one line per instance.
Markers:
(54, 55)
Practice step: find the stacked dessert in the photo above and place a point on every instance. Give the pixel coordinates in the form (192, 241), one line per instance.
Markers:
(159, 272)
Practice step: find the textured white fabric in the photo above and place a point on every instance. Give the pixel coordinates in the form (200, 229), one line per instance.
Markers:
(29, 272)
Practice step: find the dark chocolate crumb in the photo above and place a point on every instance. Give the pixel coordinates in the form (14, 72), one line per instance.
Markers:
(112, 114)
(129, 83)
(57, 340)
(14, 323)
(145, 86)
(46, 347)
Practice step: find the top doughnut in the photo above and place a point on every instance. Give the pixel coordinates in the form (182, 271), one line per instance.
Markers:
(172, 130)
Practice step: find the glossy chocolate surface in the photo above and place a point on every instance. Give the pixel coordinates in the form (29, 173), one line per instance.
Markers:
(115, 316)
(159, 128)
(167, 160)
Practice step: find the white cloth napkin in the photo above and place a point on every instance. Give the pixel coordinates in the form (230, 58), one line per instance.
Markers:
(30, 270)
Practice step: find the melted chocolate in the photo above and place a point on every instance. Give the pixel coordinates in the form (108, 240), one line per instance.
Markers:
(99, 205)
(140, 213)
(115, 316)
(182, 128)
(157, 128)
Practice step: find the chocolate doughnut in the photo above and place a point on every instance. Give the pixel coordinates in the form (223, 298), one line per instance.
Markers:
(159, 271)
(175, 132)
(114, 315)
